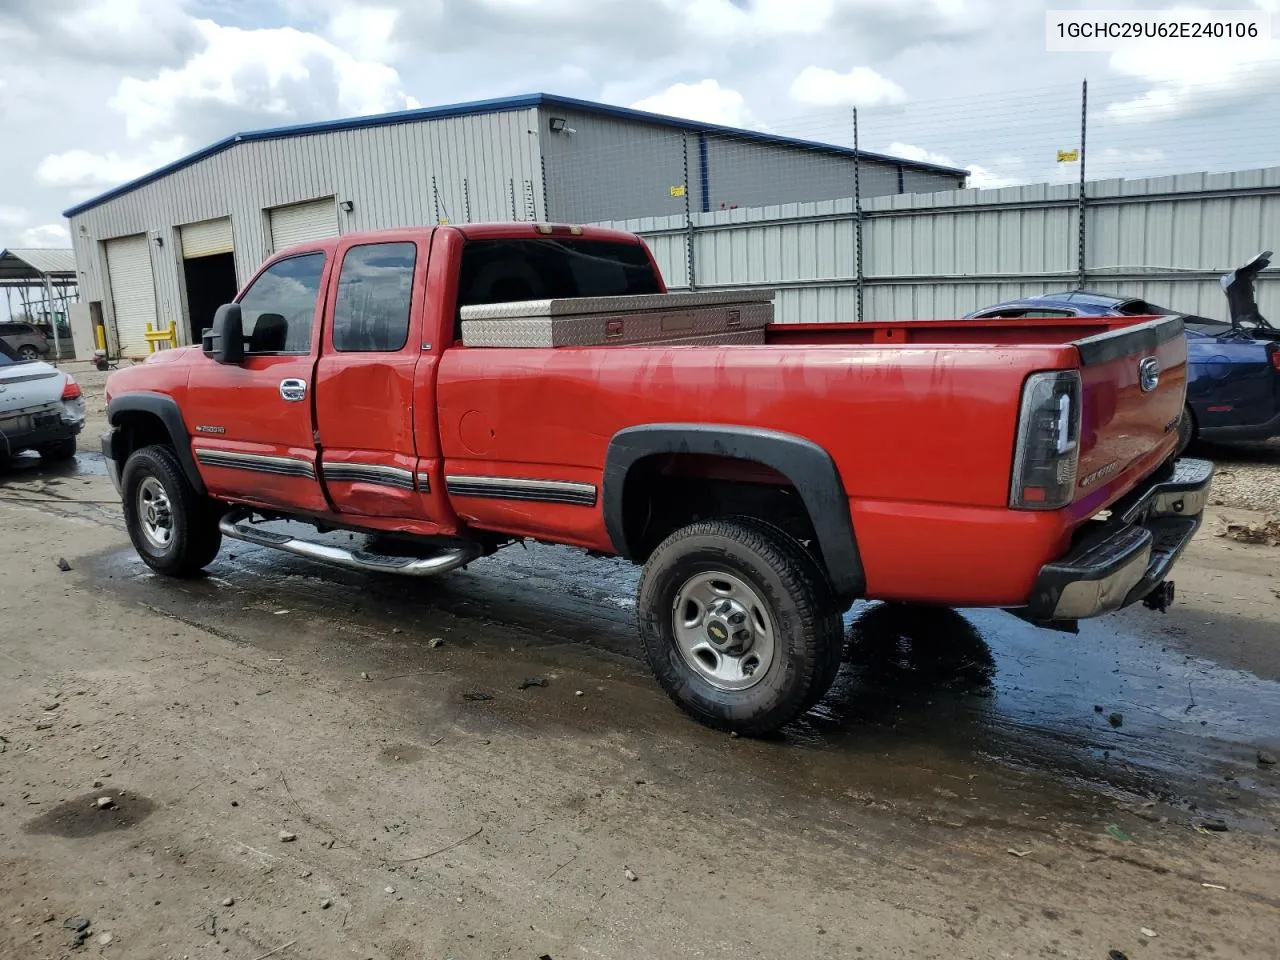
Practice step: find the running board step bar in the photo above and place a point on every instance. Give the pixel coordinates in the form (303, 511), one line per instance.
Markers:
(235, 526)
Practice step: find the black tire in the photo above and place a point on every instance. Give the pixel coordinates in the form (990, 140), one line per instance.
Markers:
(833, 653)
(806, 626)
(194, 538)
(28, 352)
(59, 450)
(1186, 430)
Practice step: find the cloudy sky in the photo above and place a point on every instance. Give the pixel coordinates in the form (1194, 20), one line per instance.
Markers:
(95, 92)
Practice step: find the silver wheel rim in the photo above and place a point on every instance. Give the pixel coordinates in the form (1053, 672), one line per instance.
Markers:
(155, 515)
(724, 630)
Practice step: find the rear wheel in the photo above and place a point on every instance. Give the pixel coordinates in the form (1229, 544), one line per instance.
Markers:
(173, 528)
(59, 450)
(738, 625)
(28, 352)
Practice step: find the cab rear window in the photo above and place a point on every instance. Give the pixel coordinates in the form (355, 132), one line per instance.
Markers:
(501, 271)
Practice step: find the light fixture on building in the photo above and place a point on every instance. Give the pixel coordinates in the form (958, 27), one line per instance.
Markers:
(347, 206)
(159, 240)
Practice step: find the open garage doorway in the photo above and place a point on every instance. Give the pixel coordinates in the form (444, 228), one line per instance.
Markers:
(208, 272)
(211, 282)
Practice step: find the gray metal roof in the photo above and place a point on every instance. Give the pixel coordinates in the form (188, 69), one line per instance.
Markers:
(19, 266)
(501, 105)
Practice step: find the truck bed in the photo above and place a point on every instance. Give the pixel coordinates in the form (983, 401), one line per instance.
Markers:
(996, 332)
(920, 417)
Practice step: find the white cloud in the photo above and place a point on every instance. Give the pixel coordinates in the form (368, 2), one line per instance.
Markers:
(120, 32)
(705, 100)
(84, 173)
(1218, 75)
(860, 87)
(979, 176)
(45, 235)
(13, 216)
(367, 33)
(240, 77)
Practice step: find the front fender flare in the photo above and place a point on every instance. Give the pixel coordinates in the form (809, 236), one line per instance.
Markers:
(166, 409)
(808, 466)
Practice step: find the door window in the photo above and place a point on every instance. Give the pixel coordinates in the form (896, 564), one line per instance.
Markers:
(374, 291)
(279, 309)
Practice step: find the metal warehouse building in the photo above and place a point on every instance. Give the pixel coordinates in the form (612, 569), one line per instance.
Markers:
(173, 245)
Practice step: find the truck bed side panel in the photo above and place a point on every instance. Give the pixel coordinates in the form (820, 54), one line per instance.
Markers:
(948, 413)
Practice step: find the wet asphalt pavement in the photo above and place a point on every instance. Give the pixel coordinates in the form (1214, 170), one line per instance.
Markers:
(976, 700)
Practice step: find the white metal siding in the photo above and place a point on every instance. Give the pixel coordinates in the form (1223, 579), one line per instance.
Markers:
(206, 238)
(941, 255)
(300, 222)
(133, 292)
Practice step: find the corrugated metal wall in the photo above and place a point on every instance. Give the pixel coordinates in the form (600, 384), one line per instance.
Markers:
(612, 169)
(934, 256)
(748, 174)
(385, 171)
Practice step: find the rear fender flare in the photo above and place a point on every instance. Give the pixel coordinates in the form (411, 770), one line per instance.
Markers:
(166, 409)
(808, 466)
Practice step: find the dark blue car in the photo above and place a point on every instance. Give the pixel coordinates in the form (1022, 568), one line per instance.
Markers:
(1233, 389)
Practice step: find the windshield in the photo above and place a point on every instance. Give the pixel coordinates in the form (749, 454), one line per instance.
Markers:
(7, 357)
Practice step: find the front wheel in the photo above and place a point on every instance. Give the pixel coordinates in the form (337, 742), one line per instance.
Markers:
(738, 630)
(173, 528)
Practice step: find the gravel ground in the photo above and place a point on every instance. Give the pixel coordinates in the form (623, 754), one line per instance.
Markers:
(1248, 475)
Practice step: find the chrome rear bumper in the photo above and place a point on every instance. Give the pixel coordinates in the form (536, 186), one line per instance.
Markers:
(1130, 554)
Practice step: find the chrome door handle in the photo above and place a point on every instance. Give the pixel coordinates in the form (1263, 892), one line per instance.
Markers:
(292, 389)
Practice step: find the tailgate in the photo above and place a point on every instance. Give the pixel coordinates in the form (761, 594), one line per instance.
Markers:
(1134, 382)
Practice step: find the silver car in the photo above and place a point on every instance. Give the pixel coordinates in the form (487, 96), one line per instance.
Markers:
(41, 408)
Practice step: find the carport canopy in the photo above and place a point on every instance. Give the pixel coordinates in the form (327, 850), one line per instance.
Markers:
(49, 270)
(30, 268)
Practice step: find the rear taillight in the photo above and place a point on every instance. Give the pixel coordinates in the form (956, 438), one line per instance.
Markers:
(1048, 448)
(1275, 356)
(71, 390)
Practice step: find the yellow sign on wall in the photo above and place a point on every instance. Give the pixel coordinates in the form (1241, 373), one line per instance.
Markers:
(678, 190)
(1068, 156)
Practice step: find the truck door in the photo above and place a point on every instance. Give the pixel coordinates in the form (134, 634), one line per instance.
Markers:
(370, 375)
(250, 424)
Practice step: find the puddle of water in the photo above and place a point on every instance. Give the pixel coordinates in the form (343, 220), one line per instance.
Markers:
(29, 466)
(82, 817)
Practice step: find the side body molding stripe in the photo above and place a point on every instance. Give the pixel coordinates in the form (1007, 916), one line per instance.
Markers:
(257, 463)
(376, 473)
(518, 488)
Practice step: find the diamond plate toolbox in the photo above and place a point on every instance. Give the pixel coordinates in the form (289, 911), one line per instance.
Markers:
(598, 321)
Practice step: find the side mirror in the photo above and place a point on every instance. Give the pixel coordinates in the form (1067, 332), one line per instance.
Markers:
(224, 342)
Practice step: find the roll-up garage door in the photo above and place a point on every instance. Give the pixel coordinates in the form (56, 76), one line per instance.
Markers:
(133, 292)
(206, 238)
(300, 222)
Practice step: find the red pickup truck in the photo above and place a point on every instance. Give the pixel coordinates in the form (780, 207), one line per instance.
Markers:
(765, 487)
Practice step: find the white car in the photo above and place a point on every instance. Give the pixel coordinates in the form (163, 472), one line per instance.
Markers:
(41, 408)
